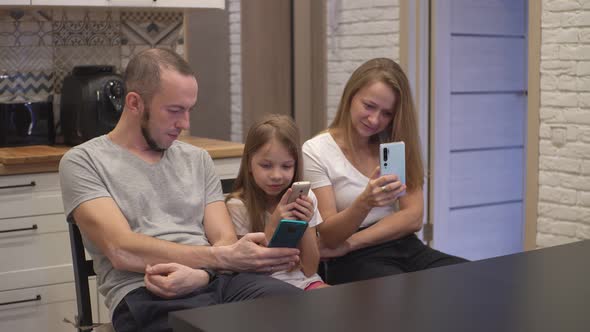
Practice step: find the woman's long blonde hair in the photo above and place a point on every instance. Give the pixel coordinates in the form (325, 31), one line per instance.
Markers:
(403, 127)
(285, 131)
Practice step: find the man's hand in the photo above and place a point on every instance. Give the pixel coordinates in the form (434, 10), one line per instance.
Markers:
(173, 280)
(250, 254)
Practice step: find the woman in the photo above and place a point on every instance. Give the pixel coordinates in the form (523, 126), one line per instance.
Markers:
(369, 219)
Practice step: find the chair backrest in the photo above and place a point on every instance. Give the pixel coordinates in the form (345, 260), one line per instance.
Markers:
(83, 269)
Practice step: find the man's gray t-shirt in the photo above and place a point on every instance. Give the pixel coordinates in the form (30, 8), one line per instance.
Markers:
(165, 200)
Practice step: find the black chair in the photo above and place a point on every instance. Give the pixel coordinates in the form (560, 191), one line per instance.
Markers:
(83, 270)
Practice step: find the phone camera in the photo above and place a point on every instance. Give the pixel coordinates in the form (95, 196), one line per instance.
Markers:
(385, 153)
(385, 164)
(290, 229)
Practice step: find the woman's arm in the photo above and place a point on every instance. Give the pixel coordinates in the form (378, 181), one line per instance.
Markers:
(339, 226)
(406, 221)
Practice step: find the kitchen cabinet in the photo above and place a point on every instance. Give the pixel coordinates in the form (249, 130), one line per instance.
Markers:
(37, 289)
(130, 3)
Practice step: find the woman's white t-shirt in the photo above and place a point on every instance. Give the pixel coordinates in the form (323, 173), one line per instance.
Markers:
(325, 164)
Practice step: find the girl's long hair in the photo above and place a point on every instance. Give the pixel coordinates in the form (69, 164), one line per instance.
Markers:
(284, 130)
(403, 127)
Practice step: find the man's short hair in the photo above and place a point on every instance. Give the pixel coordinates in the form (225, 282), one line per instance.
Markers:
(142, 75)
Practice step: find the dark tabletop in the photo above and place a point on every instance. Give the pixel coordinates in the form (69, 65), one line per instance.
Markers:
(542, 290)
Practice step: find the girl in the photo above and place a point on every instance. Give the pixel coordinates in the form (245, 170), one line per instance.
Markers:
(370, 220)
(270, 164)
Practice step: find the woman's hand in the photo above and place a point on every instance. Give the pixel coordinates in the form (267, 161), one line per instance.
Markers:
(381, 190)
(341, 250)
(173, 280)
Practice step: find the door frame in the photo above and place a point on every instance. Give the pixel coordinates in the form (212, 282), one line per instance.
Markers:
(415, 58)
(284, 51)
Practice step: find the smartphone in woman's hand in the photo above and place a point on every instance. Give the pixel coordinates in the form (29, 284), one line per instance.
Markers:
(392, 159)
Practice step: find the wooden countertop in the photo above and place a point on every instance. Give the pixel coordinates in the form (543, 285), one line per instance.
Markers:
(45, 158)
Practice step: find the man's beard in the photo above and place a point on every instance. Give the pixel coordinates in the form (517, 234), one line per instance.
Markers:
(146, 134)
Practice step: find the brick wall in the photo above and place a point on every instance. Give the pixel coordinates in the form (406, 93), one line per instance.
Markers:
(235, 59)
(357, 31)
(564, 160)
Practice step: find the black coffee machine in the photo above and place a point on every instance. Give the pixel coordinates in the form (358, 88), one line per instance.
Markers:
(92, 100)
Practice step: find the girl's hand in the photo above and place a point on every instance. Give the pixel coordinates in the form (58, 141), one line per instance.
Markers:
(381, 190)
(282, 209)
(301, 209)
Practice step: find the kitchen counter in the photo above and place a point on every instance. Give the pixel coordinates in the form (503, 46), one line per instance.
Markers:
(45, 158)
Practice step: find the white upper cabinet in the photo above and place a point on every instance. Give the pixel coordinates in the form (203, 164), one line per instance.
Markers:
(15, 2)
(169, 3)
(125, 3)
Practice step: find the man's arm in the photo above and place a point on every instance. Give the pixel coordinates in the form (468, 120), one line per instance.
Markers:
(218, 225)
(101, 221)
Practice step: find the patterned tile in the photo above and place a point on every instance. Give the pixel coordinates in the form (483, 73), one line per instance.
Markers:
(25, 33)
(164, 17)
(85, 14)
(11, 15)
(28, 58)
(152, 28)
(26, 86)
(67, 57)
(86, 33)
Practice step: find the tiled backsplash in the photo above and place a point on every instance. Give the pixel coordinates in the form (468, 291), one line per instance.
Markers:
(39, 47)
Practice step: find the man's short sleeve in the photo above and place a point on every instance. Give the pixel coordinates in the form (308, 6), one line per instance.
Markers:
(213, 190)
(79, 180)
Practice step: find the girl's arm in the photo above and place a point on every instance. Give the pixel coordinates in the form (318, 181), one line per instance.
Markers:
(309, 252)
(302, 209)
(282, 211)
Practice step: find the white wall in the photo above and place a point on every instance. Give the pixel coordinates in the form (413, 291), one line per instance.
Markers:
(235, 59)
(564, 160)
(357, 31)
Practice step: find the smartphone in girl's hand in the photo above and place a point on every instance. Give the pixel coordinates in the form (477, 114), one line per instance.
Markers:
(288, 234)
(392, 159)
(298, 189)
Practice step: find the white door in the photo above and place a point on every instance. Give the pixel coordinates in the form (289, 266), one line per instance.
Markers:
(478, 120)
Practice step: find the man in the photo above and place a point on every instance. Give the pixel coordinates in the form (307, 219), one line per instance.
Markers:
(142, 200)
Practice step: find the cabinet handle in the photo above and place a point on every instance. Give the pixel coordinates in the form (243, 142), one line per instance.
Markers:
(37, 298)
(32, 184)
(32, 228)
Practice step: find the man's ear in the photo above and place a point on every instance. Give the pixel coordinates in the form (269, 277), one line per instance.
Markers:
(134, 103)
